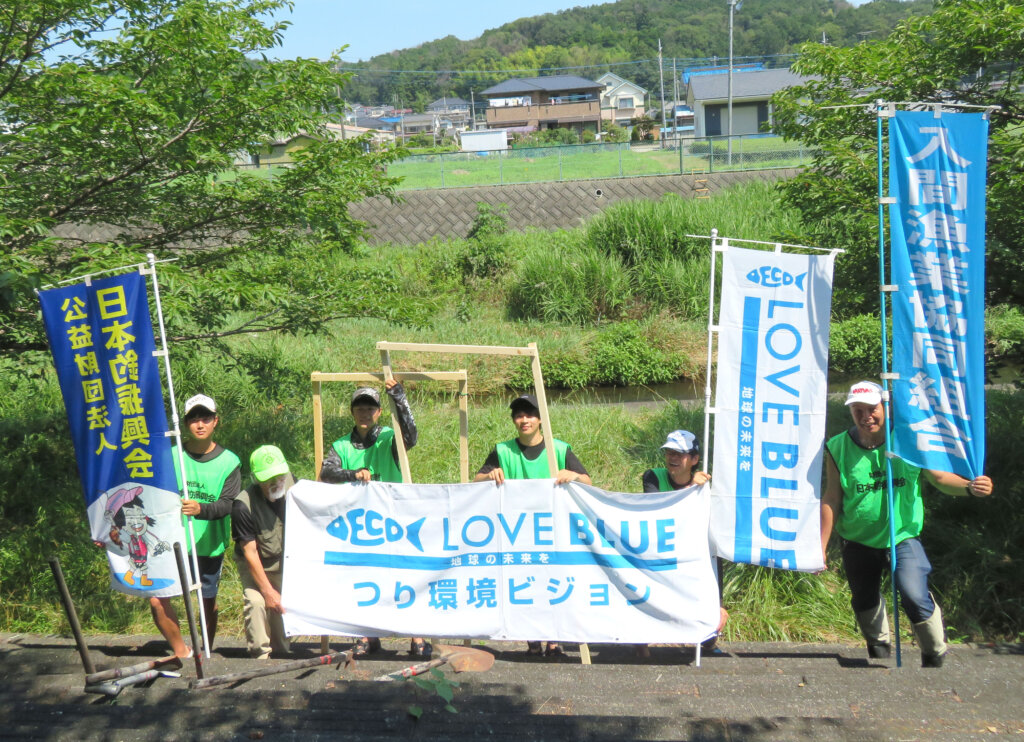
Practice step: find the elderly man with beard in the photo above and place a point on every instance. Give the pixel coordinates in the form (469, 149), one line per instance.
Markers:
(257, 525)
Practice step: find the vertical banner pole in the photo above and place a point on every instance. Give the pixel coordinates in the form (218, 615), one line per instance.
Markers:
(403, 456)
(711, 331)
(189, 614)
(69, 609)
(186, 586)
(890, 499)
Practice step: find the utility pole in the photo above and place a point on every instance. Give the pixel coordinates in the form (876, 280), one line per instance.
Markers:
(661, 74)
(675, 97)
(732, 10)
(472, 112)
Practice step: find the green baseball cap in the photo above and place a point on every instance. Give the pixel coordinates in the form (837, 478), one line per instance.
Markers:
(267, 462)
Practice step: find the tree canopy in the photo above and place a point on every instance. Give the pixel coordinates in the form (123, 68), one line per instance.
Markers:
(126, 117)
(966, 52)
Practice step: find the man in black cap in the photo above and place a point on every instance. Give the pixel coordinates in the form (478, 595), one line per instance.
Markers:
(370, 452)
(524, 457)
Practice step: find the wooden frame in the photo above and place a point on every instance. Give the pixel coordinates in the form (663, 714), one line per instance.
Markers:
(529, 351)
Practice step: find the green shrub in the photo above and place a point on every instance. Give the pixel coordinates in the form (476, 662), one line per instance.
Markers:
(624, 357)
(1004, 336)
(855, 347)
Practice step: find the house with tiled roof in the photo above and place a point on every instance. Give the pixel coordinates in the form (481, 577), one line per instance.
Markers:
(708, 97)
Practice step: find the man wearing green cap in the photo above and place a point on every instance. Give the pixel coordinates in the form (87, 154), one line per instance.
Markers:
(257, 525)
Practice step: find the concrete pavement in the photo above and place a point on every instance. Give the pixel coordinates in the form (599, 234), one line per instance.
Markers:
(759, 692)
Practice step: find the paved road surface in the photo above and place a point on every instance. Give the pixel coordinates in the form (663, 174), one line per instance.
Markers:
(757, 692)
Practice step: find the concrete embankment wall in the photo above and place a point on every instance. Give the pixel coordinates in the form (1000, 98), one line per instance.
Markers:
(449, 213)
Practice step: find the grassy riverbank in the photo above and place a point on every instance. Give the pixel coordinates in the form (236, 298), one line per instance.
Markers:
(618, 301)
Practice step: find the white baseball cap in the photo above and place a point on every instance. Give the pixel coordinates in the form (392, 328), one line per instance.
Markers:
(682, 441)
(200, 400)
(866, 392)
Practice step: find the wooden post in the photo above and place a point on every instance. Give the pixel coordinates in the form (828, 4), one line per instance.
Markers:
(403, 455)
(464, 428)
(542, 403)
(318, 428)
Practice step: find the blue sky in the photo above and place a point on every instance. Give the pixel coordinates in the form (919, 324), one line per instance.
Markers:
(320, 27)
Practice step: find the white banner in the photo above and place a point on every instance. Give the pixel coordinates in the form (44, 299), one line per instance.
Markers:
(527, 560)
(770, 408)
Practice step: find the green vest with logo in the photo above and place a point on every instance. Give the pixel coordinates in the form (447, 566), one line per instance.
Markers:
(517, 466)
(269, 528)
(864, 516)
(205, 484)
(377, 458)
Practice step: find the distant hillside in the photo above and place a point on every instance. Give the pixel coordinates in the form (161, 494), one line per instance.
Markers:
(597, 38)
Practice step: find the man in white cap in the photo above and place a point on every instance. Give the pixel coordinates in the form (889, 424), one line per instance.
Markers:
(214, 479)
(854, 505)
(257, 525)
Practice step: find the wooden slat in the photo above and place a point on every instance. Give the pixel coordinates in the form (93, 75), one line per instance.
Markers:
(403, 455)
(493, 350)
(464, 427)
(379, 376)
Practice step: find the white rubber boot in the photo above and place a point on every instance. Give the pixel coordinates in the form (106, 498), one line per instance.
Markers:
(932, 639)
(874, 625)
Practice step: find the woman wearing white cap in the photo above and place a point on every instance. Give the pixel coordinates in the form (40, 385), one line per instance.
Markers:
(854, 504)
(682, 455)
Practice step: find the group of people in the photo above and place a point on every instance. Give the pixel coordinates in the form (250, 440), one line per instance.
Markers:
(853, 505)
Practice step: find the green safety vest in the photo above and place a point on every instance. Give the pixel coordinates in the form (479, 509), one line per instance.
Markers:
(864, 516)
(377, 458)
(664, 483)
(205, 484)
(517, 466)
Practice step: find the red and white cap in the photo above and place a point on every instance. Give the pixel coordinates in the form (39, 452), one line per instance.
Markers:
(865, 392)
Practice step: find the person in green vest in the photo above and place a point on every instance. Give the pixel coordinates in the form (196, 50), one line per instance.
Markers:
(525, 457)
(854, 504)
(370, 452)
(257, 526)
(682, 455)
(214, 479)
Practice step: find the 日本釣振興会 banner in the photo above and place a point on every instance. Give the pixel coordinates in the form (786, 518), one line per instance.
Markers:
(937, 178)
(102, 343)
(525, 560)
(770, 408)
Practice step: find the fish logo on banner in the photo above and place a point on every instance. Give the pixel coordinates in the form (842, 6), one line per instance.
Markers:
(770, 408)
(937, 176)
(102, 343)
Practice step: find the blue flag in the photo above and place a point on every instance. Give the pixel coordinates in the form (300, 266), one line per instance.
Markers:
(101, 338)
(937, 176)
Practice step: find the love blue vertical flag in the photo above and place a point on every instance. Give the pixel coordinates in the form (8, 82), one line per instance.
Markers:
(101, 338)
(937, 177)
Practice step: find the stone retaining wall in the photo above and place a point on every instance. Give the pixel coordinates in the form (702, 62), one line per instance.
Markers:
(448, 213)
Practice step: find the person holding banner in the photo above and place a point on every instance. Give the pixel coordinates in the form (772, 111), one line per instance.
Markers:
(370, 452)
(214, 479)
(257, 525)
(525, 457)
(682, 455)
(854, 504)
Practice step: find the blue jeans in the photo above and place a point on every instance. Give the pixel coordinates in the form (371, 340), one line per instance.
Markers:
(864, 568)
